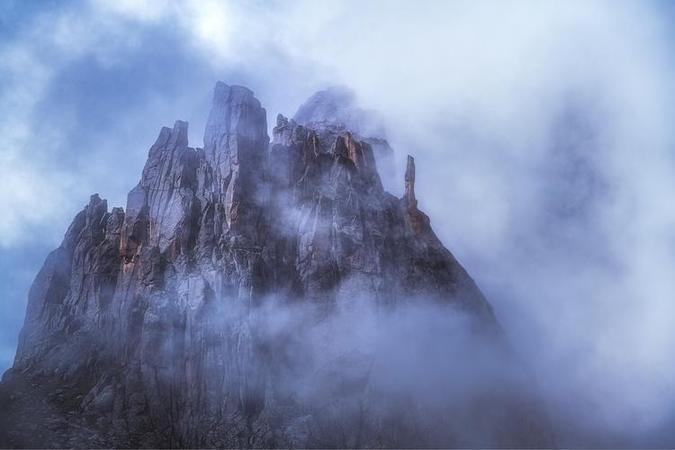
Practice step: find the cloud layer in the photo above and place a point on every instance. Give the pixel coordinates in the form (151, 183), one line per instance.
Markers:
(542, 134)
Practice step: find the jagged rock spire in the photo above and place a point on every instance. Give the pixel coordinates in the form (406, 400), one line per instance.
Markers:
(337, 106)
(156, 206)
(410, 183)
(236, 129)
(235, 145)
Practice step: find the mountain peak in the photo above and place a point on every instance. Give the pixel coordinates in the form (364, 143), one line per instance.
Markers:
(235, 111)
(152, 327)
(337, 107)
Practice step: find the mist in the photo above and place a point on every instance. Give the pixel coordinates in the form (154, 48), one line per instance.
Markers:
(362, 372)
(542, 134)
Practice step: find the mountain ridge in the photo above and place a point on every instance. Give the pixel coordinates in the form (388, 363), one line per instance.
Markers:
(158, 325)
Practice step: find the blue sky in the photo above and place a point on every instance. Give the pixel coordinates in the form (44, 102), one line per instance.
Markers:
(542, 133)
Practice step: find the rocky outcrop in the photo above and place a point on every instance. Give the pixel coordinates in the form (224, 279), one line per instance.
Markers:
(337, 107)
(204, 314)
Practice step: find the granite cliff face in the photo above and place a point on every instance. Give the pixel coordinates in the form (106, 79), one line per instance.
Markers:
(337, 107)
(204, 314)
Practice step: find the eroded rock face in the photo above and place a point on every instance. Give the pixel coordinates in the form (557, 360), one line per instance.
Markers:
(337, 107)
(213, 311)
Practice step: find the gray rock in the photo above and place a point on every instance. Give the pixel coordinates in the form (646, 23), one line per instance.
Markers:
(337, 106)
(157, 320)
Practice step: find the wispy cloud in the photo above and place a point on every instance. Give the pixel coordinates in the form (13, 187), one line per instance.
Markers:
(542, 131)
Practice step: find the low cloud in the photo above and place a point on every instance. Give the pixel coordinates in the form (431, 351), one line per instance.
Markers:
(542, 135)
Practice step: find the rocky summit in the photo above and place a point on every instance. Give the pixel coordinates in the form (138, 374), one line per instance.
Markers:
(263, 294)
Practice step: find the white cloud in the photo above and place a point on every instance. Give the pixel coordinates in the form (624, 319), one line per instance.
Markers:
(475, 90)
(41, 190)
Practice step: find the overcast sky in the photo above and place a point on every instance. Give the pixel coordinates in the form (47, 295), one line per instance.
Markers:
(542, 131)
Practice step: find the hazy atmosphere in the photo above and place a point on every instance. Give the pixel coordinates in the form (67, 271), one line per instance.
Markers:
(543, 134)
